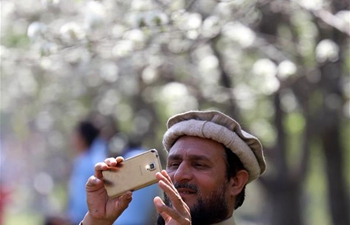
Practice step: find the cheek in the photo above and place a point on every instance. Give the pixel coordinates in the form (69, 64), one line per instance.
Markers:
(206, 184)
(209, 184)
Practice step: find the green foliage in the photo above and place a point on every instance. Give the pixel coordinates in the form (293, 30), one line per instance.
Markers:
(295, 123)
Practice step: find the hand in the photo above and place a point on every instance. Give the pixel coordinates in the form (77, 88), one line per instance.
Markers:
(103, 210)
(179, 213)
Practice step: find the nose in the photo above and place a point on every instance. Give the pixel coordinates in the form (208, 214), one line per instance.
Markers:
(183, 173)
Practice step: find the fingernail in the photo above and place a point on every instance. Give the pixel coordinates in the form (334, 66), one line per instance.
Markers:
(128, 194)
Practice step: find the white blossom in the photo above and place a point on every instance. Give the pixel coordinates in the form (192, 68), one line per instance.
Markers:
(327, 50)
(136, 36)
(265, 80)
(345, 16)
(123, 48)
(211, 26)
(155, 18)
(265, 67)
(72, 32)
(177, 97)
(286, 68)
(209, 62)
(311, 4)
(141, 5)
(49, 3)
(110, 72)
(239, 33)
(95, 14)
(189, 21)
(36, 30)
(149, 74)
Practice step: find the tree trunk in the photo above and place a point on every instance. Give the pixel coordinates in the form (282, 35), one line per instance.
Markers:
(285, 202)
(338, 198)
(331, 144)
(284, 191)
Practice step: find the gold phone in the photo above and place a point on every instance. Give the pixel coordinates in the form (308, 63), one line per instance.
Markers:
(132, 174)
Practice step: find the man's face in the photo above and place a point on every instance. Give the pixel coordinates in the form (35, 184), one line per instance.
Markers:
(197, 167)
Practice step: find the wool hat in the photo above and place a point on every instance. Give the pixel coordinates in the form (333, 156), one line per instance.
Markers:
(219, 127)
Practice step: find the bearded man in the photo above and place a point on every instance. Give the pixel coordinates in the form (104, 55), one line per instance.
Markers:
(210, 161)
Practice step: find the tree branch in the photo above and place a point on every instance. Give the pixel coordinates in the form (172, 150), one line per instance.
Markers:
(330, 19)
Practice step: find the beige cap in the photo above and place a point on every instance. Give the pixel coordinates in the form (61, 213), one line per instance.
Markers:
(219, 127)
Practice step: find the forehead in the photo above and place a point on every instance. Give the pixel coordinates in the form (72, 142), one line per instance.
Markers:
(187, 146)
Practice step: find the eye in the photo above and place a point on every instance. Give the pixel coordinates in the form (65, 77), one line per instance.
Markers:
(173, 164)
(200, 165)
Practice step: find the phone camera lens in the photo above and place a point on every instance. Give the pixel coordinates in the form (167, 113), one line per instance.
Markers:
(151, 166)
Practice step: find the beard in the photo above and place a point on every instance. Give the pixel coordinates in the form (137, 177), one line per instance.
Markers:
(208, 210)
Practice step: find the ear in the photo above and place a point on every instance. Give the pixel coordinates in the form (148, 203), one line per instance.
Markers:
(238, 182)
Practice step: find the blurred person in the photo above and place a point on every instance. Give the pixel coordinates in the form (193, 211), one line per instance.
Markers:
(108, 129)
(141, 205)
(210, 162)
(89, 150)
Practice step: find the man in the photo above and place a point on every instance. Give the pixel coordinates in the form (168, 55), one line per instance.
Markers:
(210, 161)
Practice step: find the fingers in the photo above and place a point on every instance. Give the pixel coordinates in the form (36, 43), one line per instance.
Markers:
(167, 186)
(124, 200)
(163, 176)
(114, 161)
(109, 162)
(160, 207)
(121, 203)
(169, 213)
(174, 197)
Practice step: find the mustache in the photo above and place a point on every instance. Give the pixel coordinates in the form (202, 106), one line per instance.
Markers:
(177, 185)
(186, 185)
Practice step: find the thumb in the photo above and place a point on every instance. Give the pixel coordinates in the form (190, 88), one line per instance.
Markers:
(93, 184)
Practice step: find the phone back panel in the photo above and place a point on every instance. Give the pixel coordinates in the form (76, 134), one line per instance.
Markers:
(132, 174)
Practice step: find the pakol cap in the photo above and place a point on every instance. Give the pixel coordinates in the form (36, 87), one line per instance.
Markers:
(218, 127)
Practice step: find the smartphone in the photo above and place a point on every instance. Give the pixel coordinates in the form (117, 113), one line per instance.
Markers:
(132, 174)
